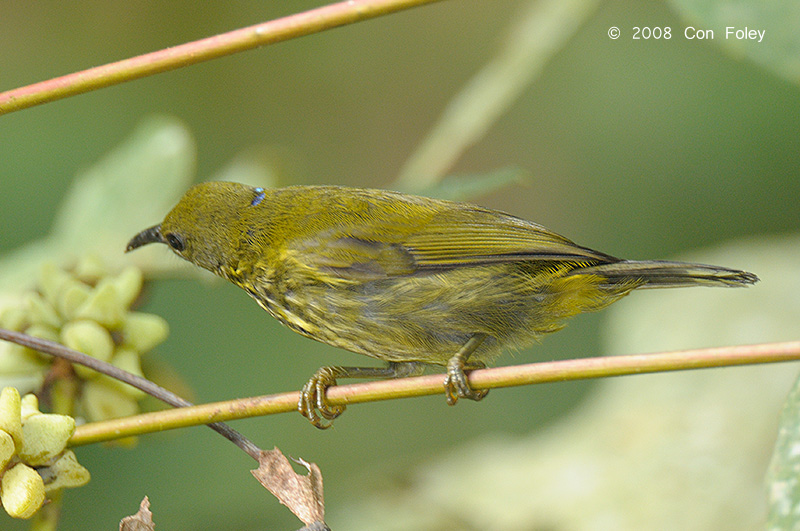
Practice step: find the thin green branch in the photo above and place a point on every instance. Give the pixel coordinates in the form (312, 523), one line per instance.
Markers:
(553, 371)
(282, 29)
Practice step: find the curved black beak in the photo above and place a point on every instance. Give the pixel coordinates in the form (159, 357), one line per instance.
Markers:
(151, 235)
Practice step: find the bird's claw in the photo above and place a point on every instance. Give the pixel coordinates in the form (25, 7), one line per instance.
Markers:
(457, 386)
(313, 402)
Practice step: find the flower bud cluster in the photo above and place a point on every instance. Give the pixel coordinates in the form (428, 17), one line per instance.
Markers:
(87, 310)
(33, 458)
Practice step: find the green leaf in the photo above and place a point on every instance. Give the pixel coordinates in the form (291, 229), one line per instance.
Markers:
(128, 190)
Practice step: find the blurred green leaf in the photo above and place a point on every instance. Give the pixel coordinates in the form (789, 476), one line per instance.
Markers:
(779, 50)
(128, 190)
(783, 477)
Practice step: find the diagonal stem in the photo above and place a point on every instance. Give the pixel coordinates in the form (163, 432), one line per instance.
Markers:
(54, 349)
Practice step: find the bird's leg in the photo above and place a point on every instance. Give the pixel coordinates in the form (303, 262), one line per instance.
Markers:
(313, 403)
(456, 384)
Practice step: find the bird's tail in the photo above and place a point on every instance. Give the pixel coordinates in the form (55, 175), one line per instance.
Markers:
(661, 274)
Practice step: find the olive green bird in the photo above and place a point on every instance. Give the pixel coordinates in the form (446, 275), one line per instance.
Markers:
(409, 280)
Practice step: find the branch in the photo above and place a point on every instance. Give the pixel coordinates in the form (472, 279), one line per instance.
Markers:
(282, 29)
(533, 373)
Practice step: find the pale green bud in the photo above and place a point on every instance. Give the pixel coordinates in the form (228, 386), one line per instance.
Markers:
(21, 491)
(41, 311)
(100, 401)
(44, 436)
(90, 338)
(43, 332)
(90, 269)
(103, 305)
(143, 331)
(72, 297)
(29, 406)
(14, 317)
(52, 280)
(64, 473)
(10, 411)
(17, 360)
(129, 285)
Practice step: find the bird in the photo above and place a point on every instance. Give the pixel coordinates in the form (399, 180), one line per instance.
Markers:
(405, 279)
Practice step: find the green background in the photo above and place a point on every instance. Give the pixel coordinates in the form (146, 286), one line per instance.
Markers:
(642, 149)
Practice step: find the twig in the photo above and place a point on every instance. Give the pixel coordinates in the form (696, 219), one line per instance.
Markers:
(553, 371)
(282, 29)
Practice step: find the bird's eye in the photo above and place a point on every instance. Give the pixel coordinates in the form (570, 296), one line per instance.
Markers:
(175, 241)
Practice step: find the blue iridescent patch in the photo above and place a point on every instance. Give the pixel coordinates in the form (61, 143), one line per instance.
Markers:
(260, 195)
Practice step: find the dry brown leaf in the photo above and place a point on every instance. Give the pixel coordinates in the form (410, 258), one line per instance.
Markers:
(301, 494)
(141, 521)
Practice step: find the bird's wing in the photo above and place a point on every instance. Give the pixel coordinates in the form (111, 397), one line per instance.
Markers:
(499, 238)
(442, 241)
